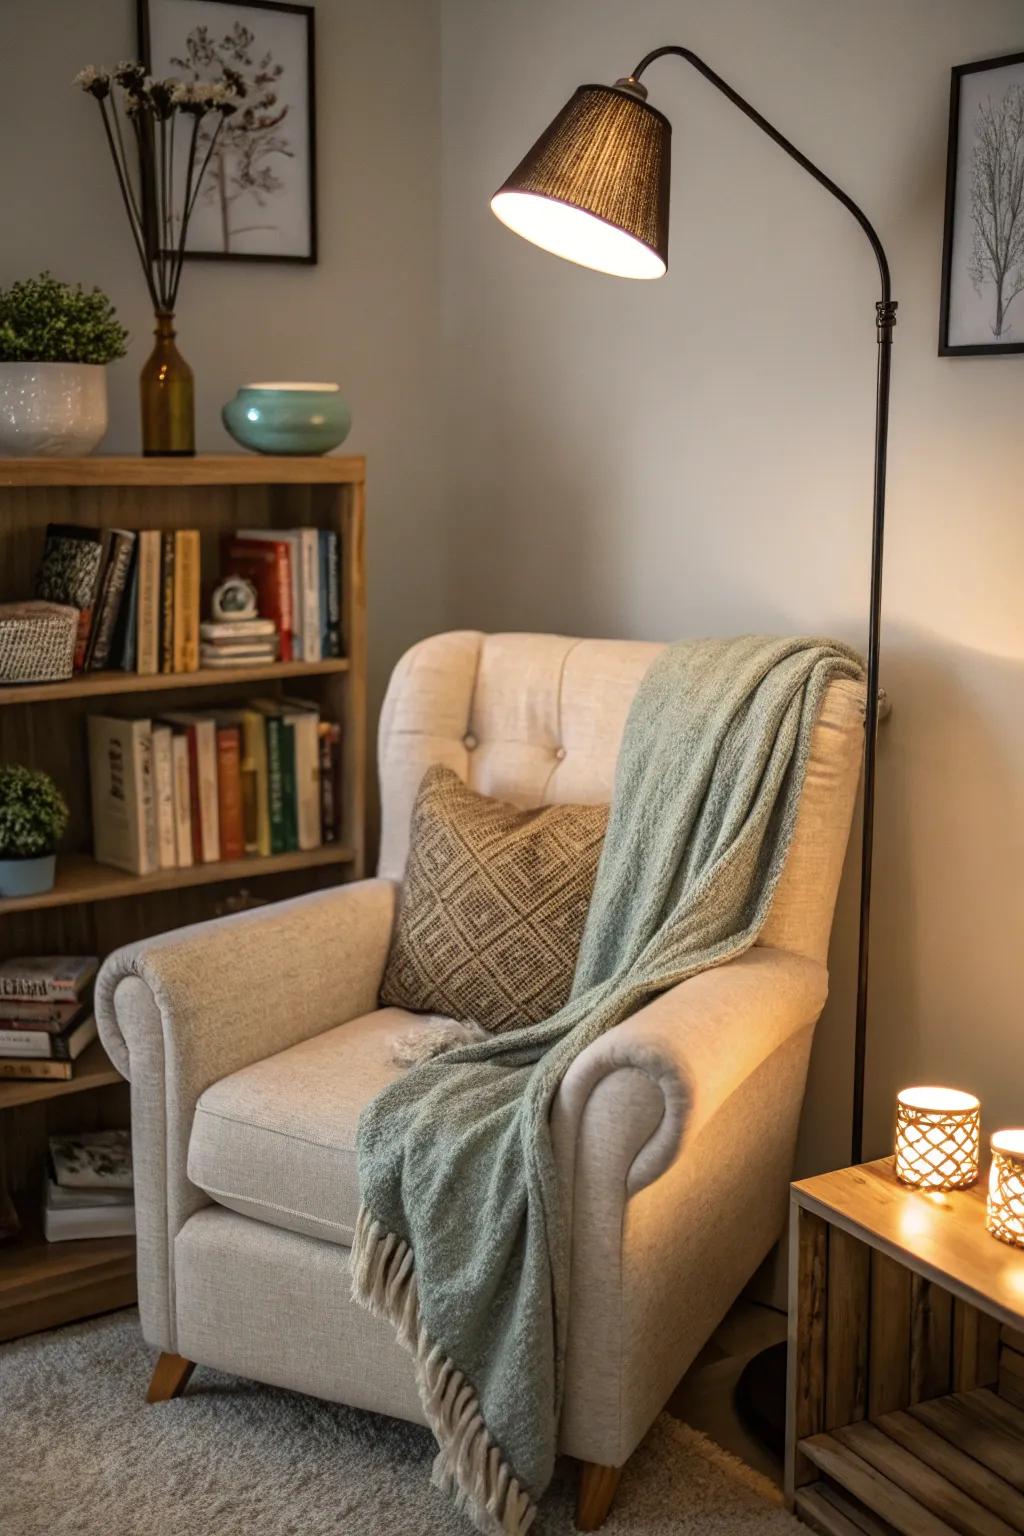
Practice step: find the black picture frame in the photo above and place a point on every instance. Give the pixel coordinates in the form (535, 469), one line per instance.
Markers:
(974, 349)
(307, 13)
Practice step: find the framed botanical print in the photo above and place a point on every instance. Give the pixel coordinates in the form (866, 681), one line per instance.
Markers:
(257, 200)
(982, 309)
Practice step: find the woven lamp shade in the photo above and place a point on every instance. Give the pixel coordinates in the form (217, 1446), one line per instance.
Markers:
(938, 1138)
(1005, 1218)
(595, 186)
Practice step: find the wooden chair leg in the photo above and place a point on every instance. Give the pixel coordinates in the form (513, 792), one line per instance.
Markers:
(169, 1379)
(596, 1492)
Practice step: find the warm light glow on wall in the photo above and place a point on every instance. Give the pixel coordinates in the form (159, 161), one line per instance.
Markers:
(1006, 1188)
(938, 1138)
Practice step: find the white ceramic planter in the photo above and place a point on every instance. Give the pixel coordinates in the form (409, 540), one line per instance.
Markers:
(53, 409)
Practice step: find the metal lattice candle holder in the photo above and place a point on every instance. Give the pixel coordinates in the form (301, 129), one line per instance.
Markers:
(938, 1138)
(1005, 1218)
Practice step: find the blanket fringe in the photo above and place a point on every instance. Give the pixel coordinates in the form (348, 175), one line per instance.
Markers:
(469, 1466)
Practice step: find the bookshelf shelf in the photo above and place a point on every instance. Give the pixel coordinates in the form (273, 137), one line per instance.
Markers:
(94, 908)
(81, 879)
(93, 1069)
(44, 1284)
(95, 685)
(204, 469)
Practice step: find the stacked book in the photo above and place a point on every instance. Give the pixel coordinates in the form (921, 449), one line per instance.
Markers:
(137, 595)
(46, 1018)
(201, 786)
(296, 575)
(89, 1187)
(237, 642)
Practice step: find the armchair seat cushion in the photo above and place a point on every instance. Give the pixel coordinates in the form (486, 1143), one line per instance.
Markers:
(277, 1140)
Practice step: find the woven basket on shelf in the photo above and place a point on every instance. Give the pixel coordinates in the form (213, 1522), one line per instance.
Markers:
(37, 642)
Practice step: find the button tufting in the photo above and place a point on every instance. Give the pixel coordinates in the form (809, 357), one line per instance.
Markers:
(469, 741)
(560, 753)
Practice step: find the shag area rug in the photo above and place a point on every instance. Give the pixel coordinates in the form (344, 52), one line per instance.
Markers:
(81, 1454)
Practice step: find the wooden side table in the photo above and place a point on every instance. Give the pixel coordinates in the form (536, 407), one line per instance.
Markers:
(906, 1361)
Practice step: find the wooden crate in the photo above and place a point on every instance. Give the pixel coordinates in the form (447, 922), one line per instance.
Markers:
(906, 1368)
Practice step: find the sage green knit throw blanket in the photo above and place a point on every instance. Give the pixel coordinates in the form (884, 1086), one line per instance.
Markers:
(462, 1239)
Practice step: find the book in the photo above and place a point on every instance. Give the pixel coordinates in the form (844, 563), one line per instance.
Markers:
(330, 590)
(254, 655)
(329, 744)
(253, 771)
(46, 978)
(123, 807)
(202, 762)
(229, 792)
(267, 564)
(41, 1045)
(36, 1070)
(163, 797)
(108, 605)
(63, 1199)
(186, 600)
(274, 729)
(123, 646)
(168, 546)
(182, 786)
(92, 1160)
(70, 572)
(304, 547)
(302, 719)
(236, 631)
(147, 626)
(65, 1222)
(51, 1017)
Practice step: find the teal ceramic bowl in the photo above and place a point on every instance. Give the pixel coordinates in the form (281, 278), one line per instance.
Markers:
(288, 418)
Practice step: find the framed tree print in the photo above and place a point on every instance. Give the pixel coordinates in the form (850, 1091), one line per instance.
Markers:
(982, 309)
(257, 201)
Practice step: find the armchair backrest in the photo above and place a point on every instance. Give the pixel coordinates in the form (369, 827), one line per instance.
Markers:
(537, 720)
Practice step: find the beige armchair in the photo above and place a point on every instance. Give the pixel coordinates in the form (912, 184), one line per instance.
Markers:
(252, 1043)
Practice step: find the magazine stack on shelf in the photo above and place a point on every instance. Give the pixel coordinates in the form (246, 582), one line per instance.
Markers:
(89, 1188)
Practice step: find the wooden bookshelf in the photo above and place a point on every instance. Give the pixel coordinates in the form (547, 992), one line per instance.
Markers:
(93, 908)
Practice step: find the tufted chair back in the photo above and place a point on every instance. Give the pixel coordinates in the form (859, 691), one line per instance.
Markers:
(537, 720)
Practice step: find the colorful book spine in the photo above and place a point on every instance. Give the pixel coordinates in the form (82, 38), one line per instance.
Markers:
(267, 564)
(186, 600)
(229, 792)
(115, 580)
(147, 624)
(123, 808)
(327, 736)
(275, 784)
(182, 778)
(35, 1070)
(163, 795)
(124, 652)
(167, 552)
(330, 602)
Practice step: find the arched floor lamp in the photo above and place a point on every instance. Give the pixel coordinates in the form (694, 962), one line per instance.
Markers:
(595, 190)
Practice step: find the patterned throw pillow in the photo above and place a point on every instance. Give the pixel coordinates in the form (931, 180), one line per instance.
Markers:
(493, 905)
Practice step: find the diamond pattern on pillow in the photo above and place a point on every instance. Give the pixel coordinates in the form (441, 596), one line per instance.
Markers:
(493, 905)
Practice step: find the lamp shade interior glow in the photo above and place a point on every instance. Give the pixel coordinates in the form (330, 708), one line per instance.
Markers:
(576, 235)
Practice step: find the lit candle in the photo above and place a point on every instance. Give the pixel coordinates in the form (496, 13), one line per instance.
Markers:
(1005, 1218)
(938, 1138)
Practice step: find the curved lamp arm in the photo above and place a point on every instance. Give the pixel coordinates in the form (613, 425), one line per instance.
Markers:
(885, 319)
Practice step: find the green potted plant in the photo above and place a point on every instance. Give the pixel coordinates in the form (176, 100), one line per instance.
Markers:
(33, 816)
(55, 342)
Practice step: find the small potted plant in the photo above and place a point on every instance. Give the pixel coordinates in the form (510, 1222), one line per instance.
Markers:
(55, 342)
(33, 816)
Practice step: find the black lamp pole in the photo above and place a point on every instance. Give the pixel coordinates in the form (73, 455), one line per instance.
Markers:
(601, 170)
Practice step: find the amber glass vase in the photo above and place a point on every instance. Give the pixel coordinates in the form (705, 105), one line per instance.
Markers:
(166, 390)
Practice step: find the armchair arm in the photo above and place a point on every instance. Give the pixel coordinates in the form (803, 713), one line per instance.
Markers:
(651, 1084)
(179, 1012)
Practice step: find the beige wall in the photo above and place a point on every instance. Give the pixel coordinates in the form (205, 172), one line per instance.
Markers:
(694, 455)
(367, 315)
